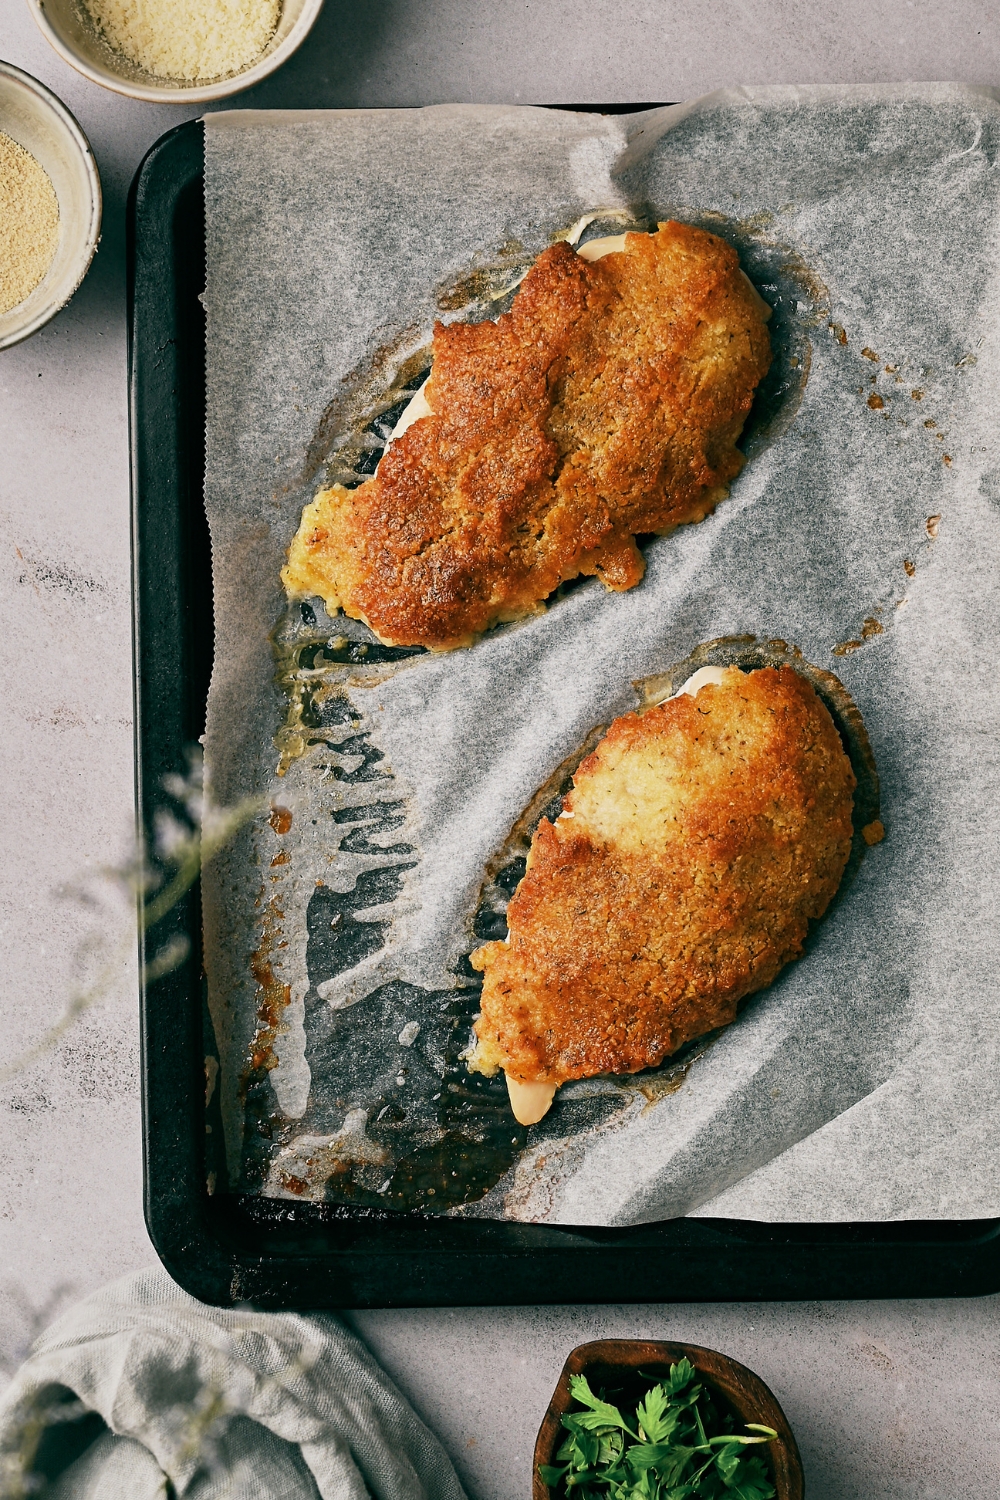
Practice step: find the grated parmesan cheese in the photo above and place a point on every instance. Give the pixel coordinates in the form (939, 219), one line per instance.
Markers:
(29, 223)
(185, 40)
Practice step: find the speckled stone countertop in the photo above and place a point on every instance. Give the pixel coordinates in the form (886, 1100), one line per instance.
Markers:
(887, 1399)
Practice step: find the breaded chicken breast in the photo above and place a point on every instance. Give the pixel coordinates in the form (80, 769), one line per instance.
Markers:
(605, 404)
(697, 843)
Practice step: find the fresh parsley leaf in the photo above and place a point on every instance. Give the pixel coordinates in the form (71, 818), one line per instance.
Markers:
(610, 1447)
(656, 1417)
(643, 1456)
(752, 1482)
(589, 1445)
(598, 1421)
(602, 1413)
(749, 1490)
(727, 1461)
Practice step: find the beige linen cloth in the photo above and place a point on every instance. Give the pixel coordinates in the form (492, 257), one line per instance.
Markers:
(205, 1403)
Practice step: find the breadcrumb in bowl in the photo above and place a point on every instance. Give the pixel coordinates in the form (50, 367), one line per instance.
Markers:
(173, 51)
(61, 242)
(700, 839)
(186, 40)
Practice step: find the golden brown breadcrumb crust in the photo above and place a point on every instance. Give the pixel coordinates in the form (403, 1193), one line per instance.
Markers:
(701, 838)
(605, 404)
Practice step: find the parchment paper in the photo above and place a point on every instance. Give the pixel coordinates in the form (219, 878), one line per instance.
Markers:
(863, 531)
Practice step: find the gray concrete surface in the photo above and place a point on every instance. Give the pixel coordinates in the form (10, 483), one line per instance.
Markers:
(890, 1399)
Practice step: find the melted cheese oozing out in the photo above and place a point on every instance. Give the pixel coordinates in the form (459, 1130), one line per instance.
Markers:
(418, 407)
(764, 308)
(704, 677)
(596, 249)
(530, 1101)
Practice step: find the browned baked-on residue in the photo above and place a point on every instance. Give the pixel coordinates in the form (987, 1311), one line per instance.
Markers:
(280, 819)
(839, 334)
(867, 353)
(484, 283)
(606, 404)
(909, 566)
(661, 1085)
(917, 395)
(946, 459)
(873, 833)
(875, 401)
(933, 524)
(281, 858)
(273, 997)
(699, 840)
(870, 627)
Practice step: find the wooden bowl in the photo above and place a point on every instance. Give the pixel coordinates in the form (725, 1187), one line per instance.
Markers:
(606, 1361)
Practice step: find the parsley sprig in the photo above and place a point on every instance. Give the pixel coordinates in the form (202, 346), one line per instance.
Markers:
(677, 1445)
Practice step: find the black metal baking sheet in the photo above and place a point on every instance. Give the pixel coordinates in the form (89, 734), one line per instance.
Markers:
(225, 1248)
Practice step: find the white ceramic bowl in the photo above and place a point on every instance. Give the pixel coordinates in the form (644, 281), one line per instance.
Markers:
(38, 121)
(67, 25)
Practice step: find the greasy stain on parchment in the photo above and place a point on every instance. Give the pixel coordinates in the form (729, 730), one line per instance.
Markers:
(272, 1000)
(392, 1118)
(891, 396)
(873, 625)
